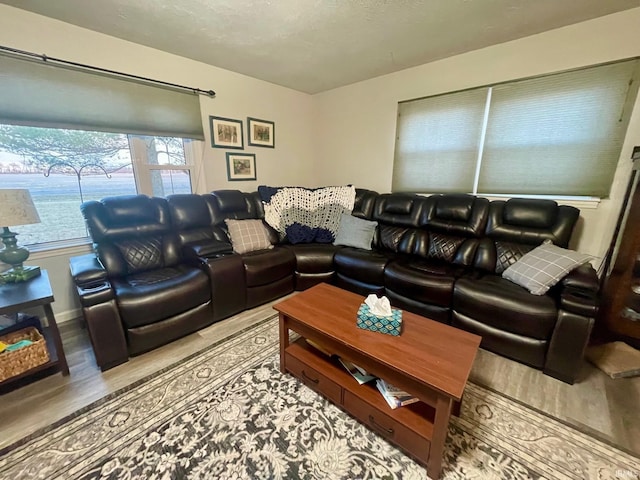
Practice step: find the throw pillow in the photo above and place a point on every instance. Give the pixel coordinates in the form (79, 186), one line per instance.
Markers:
(248, 235)
(543, 267)
(355, 232)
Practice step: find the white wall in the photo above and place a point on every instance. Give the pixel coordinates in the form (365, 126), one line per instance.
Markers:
(355, 125)
(238, 97)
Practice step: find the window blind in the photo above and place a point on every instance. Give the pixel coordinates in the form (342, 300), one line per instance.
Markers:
(39, 94)
(559, 134)
(437, 142)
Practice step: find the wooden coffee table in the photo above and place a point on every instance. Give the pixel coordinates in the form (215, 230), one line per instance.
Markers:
(429, 360)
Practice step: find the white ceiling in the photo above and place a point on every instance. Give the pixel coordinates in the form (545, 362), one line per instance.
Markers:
(317, 45)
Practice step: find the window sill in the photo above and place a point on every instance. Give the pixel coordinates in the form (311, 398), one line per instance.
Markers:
(59, 249)
(582, 203)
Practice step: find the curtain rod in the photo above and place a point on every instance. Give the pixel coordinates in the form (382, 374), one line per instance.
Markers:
(46, 59)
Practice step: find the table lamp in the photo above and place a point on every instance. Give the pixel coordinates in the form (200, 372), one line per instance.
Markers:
(16, 208)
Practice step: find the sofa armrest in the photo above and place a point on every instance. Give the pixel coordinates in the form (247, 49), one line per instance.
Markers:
(91, 279)
(100, 311)
(579, 292)
(207, 249)
(578, 307)
(582, 278)
(568, 343)
(87, 270)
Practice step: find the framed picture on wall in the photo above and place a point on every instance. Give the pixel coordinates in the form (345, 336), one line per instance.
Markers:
(262, 133)
(226, 132)
(241, 166)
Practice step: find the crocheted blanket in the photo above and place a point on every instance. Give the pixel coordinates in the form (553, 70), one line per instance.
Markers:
(304, 215)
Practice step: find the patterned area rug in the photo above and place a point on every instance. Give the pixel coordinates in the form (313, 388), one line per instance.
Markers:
(228, 413)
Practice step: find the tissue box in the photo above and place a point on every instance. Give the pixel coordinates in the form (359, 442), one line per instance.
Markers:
(391, 325)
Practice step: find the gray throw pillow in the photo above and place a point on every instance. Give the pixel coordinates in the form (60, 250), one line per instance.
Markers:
(248, 235)
(355, 232)
(543, 267)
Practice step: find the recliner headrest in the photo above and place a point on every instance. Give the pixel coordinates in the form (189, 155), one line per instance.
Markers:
(230, 201)
(188, 211)
(454, 207)
(397, 204)
(399, 209)
(128, 209)
(126, 216)
(530, 212)
(455, 214)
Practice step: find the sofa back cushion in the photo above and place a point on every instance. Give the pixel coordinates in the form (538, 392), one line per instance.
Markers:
(131, 233)
(125, 215)
(450, 225)
(518, 225)
(364, 203)
(398, 216)
(458, 215)
(398, 209)
(192, 219)
(134, 255)
(232, 204)
(531, 221)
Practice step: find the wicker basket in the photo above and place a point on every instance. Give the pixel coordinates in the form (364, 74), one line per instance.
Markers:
(19, 361)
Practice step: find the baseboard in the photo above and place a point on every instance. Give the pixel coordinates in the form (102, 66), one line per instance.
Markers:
(68, 315)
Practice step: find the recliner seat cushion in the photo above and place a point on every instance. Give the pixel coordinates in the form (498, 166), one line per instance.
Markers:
(314, 257)
(148, 297)
(530, 351)
(268, 266)
(499, 303)
(363, 265)
(423, 280)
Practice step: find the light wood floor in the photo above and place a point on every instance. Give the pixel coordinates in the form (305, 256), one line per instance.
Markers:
(604, 407)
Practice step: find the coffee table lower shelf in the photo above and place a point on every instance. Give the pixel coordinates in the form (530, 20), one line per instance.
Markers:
(409, 427)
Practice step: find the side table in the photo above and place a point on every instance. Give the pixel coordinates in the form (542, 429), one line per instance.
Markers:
(16, 297)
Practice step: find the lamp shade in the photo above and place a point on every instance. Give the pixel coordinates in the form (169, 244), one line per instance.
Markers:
(17, 208)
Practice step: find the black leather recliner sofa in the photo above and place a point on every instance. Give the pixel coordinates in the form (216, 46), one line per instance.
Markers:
(441, 256)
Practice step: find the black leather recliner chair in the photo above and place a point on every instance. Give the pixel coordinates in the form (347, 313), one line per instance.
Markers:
(137, 292)
(550, 331)
(442, 249)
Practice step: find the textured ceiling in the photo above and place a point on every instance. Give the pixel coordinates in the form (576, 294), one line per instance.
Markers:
(316, 45)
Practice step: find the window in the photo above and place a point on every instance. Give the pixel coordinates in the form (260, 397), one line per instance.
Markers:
(554, 135)
(63, 168)
(162, 167)
(71, 134)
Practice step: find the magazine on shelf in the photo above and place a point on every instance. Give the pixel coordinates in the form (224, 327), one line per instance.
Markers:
(390, 400)
(393, 391)
(356, 372)
(362, 370)
(395, 397)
